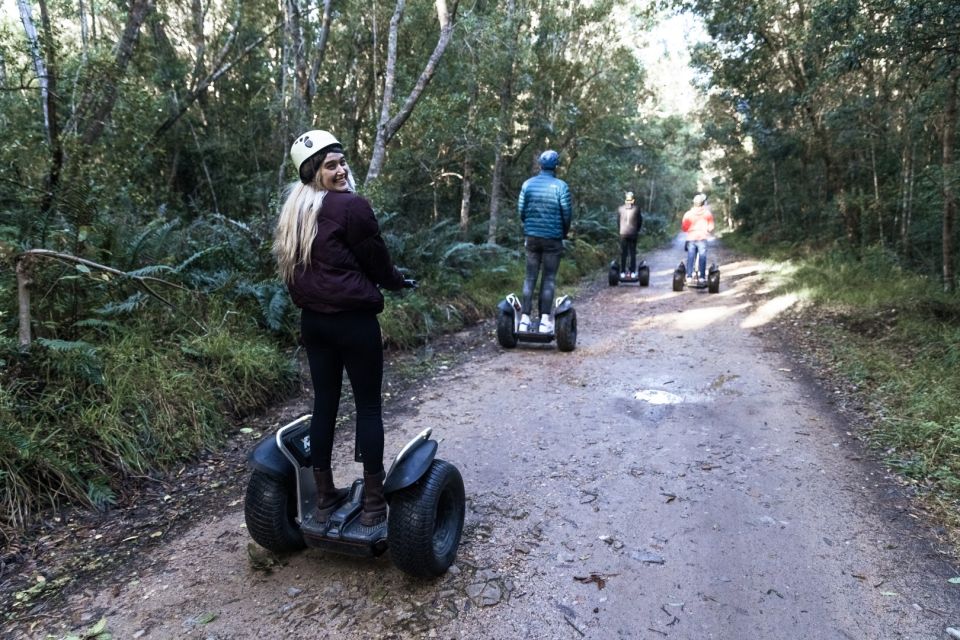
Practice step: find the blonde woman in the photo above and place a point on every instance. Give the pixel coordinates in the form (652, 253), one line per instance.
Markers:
(333, 260)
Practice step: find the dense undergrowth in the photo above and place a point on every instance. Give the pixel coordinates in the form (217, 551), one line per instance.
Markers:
(896, 336)
(118, 384)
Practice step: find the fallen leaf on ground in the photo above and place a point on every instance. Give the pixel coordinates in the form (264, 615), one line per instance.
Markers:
(597, 578)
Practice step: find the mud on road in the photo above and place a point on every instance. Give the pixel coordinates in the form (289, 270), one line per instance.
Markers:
(676, 476)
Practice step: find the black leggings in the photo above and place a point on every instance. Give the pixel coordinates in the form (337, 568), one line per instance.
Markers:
(546, 251)
(336, 341)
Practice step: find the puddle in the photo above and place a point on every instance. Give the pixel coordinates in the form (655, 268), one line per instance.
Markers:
(657, 396)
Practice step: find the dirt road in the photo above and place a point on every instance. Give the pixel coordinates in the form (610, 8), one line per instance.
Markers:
(675, 476)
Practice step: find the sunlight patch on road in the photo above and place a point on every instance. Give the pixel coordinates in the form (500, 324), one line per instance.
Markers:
(647, 300)
(694, 319)
(742, 269)
(769, 310)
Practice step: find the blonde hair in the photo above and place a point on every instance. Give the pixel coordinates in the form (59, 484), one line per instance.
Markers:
(297, 225)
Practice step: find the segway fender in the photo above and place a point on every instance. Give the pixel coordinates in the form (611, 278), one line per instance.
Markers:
(563, 305)
(267, 458)
(505, 307)
(411, 466)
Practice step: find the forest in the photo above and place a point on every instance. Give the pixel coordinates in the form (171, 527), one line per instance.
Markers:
(145, 151)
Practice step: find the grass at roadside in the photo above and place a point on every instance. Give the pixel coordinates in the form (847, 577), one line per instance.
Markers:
(896, 336)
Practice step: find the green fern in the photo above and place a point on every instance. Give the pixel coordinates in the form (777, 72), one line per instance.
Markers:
(197, 256)
(126, 307)
(150, 270)
(157, 226)
(275, 311)
(272, 299)
(100, 494)
(64, 346)
(76, 359)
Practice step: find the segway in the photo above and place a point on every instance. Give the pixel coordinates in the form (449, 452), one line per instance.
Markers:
(711, 283)
(642, 278)
(425, 496)
(564, 325)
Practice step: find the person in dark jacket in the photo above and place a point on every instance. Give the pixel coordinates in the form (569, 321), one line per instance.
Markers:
(630, 223)
(546, 212)
(333, 260)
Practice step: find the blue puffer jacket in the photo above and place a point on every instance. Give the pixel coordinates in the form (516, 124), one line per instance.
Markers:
(545, 206)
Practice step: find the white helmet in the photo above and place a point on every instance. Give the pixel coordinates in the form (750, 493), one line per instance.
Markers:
(699, 199)
(308, 144)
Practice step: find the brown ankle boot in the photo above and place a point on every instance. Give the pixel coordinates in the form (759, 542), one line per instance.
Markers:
(328, 496)
(374, 502)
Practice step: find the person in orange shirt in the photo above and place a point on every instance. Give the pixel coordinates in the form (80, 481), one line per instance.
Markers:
(697, 223)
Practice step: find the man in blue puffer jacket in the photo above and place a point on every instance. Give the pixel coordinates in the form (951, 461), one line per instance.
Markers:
(546, 211)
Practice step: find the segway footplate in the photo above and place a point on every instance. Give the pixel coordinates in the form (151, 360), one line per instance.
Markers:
(343, 532)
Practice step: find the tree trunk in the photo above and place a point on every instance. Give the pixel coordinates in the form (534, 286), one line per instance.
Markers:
(777, 207)
(465, 197)
(388, 126)
(949, 194)
(906, 196)
(876, 193)
(39, 65)
(504, 129)
(320, 50)
(301, 84)
(98, 101)
(23, 304)
(84, 31)
(45, 65)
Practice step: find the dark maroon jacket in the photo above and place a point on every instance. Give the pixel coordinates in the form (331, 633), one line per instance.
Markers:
(348, 260)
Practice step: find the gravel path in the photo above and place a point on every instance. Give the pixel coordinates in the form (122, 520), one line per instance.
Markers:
(676, 476)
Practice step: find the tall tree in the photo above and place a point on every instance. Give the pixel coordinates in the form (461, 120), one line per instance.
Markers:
(511, 28)
(388, 125)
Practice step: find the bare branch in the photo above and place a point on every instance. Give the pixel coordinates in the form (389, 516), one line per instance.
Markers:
(23, 286)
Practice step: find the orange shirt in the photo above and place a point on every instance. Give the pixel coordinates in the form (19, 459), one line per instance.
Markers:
(698, 223)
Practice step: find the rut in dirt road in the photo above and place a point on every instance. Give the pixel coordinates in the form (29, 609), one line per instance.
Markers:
(676, 476)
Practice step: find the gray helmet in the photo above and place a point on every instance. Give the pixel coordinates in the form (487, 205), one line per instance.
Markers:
(699, 199)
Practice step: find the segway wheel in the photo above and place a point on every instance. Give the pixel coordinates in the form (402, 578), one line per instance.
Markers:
(425, 521)
(713, 281)
(566, 331)
(505, 335)
(270, 510)
(613, 277)
(643, 275)
(678, 277)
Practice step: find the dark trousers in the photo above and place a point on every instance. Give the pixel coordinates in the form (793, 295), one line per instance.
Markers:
(628, 246)
(543, 252)
(334, 342)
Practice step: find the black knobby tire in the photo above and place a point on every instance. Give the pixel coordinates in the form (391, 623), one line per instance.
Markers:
(613, 276)
(678, 278)
(713, 282)
(505, 335)
(425, 521)
(644, 276)
(566, 331)
(270, 510)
